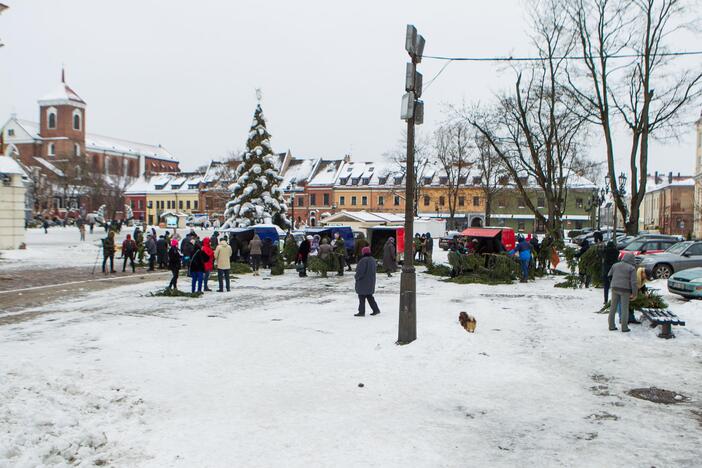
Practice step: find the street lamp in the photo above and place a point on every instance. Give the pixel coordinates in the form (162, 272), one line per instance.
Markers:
(291, 188)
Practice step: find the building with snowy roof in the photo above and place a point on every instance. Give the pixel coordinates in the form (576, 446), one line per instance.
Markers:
(668, 205)
(60, 137)
(177, 193)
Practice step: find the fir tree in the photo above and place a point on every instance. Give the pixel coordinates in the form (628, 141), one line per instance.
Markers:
(256, 197)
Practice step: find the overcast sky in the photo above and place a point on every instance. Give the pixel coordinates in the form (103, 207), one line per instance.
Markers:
(184, 74)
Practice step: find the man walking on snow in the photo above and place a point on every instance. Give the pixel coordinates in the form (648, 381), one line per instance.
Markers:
(365, 283)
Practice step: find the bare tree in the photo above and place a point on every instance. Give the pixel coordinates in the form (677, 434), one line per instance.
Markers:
(452, 151)
(645, 93)
(534, 129)
(398, 156)
(492, 173)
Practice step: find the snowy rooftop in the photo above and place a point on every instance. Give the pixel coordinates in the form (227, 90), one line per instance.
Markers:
(299, 171)
(62, 92)
(166, 183)
(676, 182)
(100, 143)
(326, 173)
(10, 166)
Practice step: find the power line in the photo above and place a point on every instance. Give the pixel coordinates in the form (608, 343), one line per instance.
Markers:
(539, 59)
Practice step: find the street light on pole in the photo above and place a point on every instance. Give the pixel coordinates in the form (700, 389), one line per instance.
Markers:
(413, 113)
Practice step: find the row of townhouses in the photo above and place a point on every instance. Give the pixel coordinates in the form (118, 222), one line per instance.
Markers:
(317, 188)
(57, 143)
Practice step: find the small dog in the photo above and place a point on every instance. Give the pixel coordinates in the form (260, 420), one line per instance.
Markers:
(467, 321)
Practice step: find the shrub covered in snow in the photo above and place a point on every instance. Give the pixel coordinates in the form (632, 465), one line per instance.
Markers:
(256, 197)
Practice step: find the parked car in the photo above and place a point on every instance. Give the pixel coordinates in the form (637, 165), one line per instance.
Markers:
(647, 246)
(449, 240)
(679, 257)
(687, 283)
(197, 219)
(622, 242)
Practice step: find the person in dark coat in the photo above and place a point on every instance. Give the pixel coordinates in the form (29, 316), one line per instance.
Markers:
(303, 253)
(339, 247)
(129, 248)
(610, 255)
(108, 251)
(174, 264)
(235, 245)
(266, 252)
(151, 250)
(429, 249)
(390, 256)
(197, 266)
(535, 247)
(365, 283)
(162, 252)
(187, 250)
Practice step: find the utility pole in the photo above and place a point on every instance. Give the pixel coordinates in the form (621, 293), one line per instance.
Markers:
(413, 113)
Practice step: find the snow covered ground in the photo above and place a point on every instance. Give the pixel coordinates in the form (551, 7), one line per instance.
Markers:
(269, 374)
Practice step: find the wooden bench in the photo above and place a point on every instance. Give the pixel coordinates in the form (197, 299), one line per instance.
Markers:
(665, 318)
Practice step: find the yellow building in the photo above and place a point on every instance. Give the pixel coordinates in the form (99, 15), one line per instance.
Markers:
(470, 201)
(369, 186)
(177, 194)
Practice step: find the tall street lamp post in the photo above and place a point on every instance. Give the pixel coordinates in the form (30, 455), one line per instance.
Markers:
(413, 113)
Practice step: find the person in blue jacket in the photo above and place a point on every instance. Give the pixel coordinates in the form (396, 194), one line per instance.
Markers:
(523, 248)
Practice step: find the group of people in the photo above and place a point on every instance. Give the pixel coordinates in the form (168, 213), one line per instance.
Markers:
(316, 246)
(423, 248)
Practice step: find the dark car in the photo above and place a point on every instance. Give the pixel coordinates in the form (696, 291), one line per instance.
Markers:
(681, 256)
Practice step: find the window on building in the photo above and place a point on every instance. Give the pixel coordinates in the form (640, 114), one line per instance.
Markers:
(427, 200)
(476, 180)
(364, 200)
(476, 201)
(150, 204)
(326, 199)
(442, 200)
(461, 201)
(397, 200)
(521, 226)
(51, 118)
(76, 149)
(520, 202)
(195, 203)
(342, 201)
(180, 204)
(10, 132)
(353, 201)
(187, 204)
(313, 199)
(51, 151)
(381, 200)
(139, 204)
(578, 202)
(501, 203)
(76, 120)
(300, 201)
(540, 202)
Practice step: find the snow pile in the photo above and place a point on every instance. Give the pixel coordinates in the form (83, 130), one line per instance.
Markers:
(58, 420)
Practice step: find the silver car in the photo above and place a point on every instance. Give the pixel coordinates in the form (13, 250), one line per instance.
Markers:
(680, 256)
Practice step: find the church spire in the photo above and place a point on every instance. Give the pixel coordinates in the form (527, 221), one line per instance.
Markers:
(63, 75)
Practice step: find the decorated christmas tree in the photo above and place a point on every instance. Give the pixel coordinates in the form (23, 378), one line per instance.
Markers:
(256, 197)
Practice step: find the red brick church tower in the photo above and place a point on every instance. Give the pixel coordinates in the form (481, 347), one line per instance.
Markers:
(62, 122)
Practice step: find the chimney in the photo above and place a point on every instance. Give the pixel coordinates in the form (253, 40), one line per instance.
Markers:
(670, 177)
(656, 181)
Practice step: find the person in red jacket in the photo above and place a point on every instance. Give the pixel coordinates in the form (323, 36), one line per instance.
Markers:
(209, 264)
